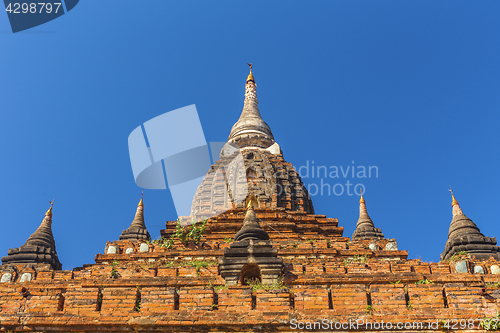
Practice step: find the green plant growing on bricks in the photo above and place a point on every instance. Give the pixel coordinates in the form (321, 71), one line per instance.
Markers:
(356, 258)
(458, 256)
(186, 234)
(424, 281)
(216, 288)
(492, 285)
(137, 306)
(114, 272)
(193, 263)
(256, 284)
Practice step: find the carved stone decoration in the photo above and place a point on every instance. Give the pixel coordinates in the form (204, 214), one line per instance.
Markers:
(144, 247)
(251, 256)
(478, 269)
(110, 249)
(26, 277)
(461, 266)
(6, 277)
(391, 246)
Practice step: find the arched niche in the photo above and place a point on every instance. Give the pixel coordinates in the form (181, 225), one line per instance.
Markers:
(250, 272)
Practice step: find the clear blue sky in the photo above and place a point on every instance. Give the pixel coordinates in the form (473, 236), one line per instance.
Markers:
(411, 87)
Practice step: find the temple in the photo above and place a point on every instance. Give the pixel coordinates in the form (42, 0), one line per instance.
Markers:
(265, 262)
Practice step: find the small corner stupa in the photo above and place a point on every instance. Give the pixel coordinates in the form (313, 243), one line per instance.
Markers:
(464, 235)
(365, 229)
(137, 229)
(40, 248)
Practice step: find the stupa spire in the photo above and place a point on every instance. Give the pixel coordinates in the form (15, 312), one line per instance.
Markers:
(39, 248)
(365, 229)
(250, 130)
(137, 229)
(464, 235)
(456, 210)
(251, 228)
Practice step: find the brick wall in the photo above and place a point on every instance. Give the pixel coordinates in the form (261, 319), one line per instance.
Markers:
(82, 301)
(196, 298)
(158, 300)
(311, 297)
(388, 299)
(235, 299)
(272, 300)
(349, 298)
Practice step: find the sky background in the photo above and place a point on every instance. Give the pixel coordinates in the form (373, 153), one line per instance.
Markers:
(411, 87)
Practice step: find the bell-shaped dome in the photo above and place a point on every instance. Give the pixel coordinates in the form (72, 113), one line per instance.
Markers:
(250, 130)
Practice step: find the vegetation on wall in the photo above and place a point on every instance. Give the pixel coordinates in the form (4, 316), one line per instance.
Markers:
(185, 234)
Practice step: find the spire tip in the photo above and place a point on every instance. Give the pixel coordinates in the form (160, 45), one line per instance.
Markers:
(250, 76)
(140, 202)
(49, 212)
(453, 200)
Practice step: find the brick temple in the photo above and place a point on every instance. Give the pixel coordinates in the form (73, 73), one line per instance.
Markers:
(264, 262)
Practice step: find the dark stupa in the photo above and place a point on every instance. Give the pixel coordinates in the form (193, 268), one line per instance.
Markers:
(365, 229)
(137, 230)
(252, 255)
(464, 235)
(39, 248)
(251, 228)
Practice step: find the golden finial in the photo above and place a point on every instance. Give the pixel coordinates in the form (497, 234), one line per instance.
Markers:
(453, 201)
(361, 199)
(49, 212)
(250, 76)
(140, 202)
(251, 201)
